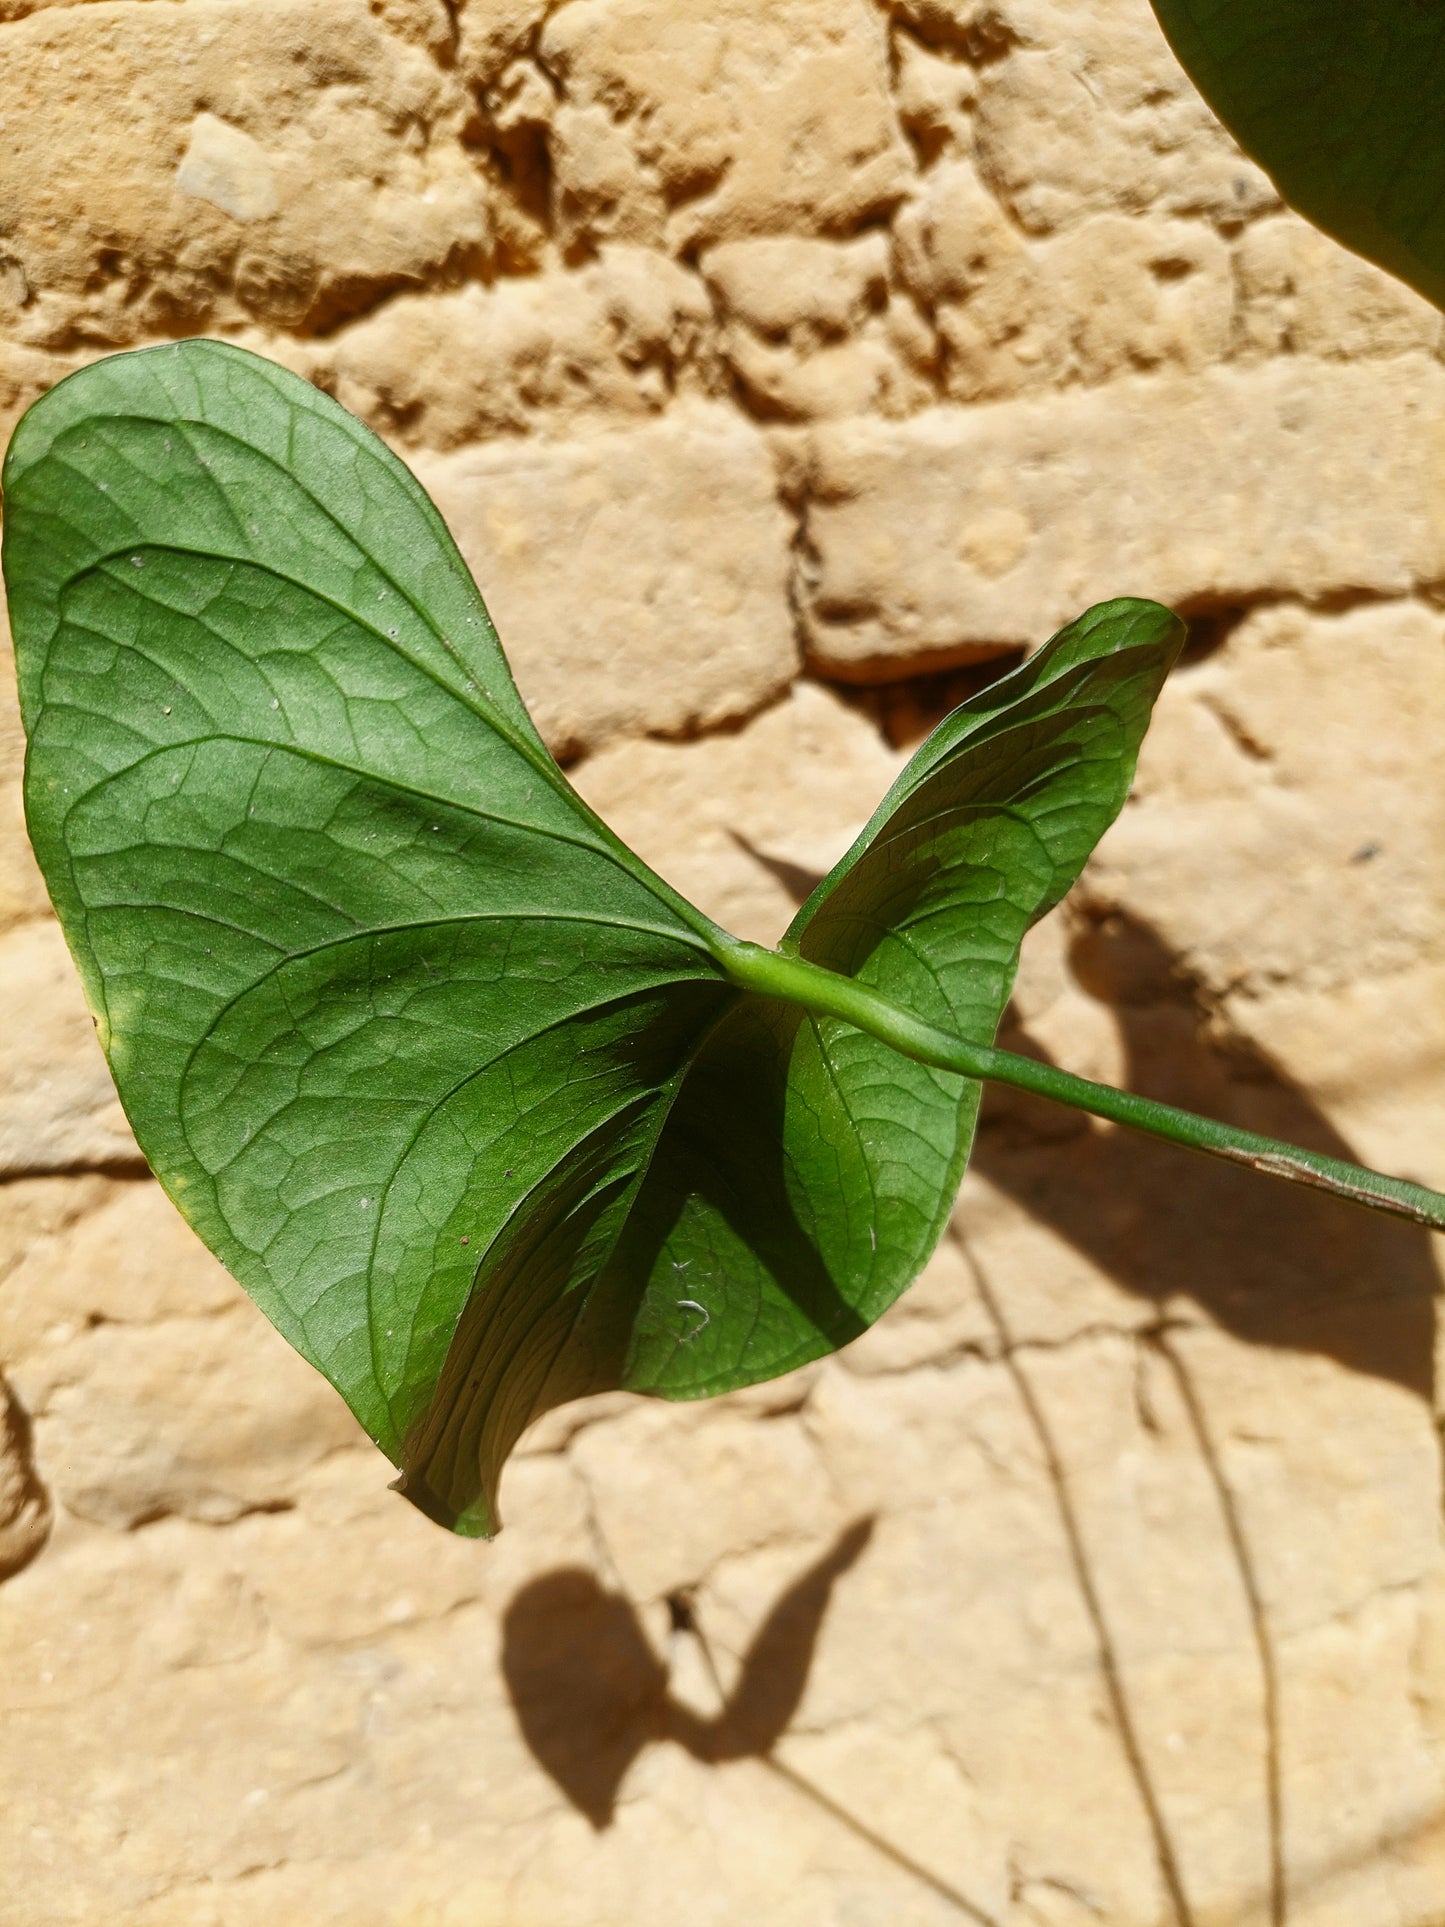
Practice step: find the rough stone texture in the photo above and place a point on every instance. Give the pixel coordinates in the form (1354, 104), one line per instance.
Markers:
(271, 158)
(610, 634)
(779, 364)
(677, 125)
(961, 530)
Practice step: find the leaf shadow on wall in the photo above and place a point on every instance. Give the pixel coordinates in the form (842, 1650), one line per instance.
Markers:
(1275, 1265)
(1272, 1263)
(590, 1692)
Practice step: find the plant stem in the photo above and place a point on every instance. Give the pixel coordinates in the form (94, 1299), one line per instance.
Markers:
(773, 974)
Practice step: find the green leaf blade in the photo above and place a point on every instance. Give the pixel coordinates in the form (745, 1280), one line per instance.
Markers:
(479, 1111)
(847, 1154)
(1342, 104)
(321, 878)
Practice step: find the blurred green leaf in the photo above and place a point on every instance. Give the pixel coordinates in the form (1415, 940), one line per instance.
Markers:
(1342, 103)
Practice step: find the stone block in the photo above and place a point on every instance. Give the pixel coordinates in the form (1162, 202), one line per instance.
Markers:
(58, 1107)
(1108, 296)
(285, 161)
(745, 823)
(1085, 111)
(1314, 734)
(100, 1251)
(204, 1418)
(22, 888)
(24, 1502)
(637, 578)
(792, 125)
(809, 329)
(1302, 294)
(612, 342)
(660, 1531)
(957, 533)
(492, 33)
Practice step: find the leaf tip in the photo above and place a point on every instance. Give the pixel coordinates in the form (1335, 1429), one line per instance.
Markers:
(478, 1520)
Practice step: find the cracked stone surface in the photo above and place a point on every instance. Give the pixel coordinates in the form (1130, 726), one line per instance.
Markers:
(785, 367)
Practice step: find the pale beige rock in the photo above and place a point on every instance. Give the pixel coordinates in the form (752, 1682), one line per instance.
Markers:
(784, 383)
(286, 160)
(1089, 112)
(809, 329)
(119, 1255)
(41, 1208)
(687, 124)
(959, 532)
(935, 91)
(428, 22)
(58, 1106)
(784, 283)
(637, 578)
(22, 889)
(207, 1418)
(1067, 1467)
(1319, 736)
(765, 1485)
(24, 1502)
(490, 33)
(616, 339)
(1299, 293)
(963, 258)
(229, 169)
(1129, 295)
(1111, 296)
(744, 824)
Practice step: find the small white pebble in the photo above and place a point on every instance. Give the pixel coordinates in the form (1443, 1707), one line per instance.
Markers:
(275, 702)
(166, 709)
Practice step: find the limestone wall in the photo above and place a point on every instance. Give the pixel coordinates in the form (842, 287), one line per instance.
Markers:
(782, 366)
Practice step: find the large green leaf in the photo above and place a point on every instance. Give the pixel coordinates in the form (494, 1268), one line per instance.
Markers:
(464, 1094)
(1343, 102)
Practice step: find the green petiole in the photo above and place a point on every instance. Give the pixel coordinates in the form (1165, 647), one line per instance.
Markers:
(771, 973)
